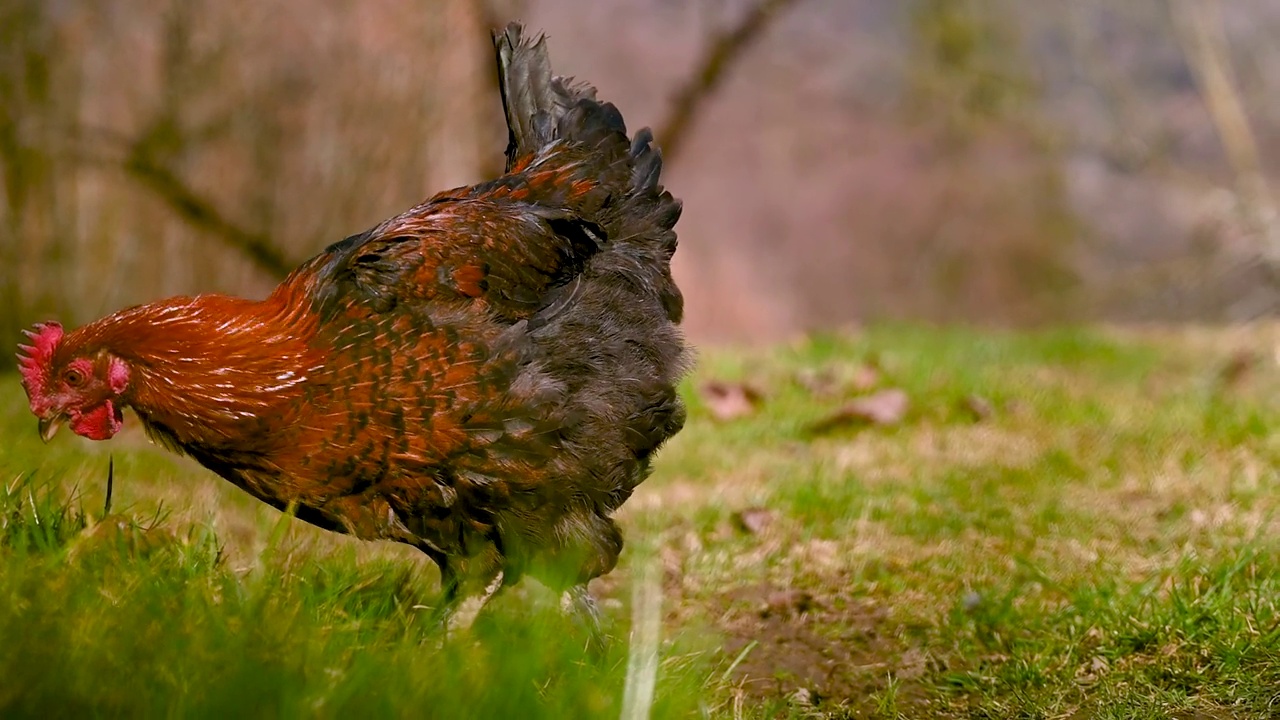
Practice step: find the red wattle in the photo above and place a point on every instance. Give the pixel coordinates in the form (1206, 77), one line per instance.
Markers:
(99, 423)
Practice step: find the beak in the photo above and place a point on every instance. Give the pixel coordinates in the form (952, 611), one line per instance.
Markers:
(50, 426)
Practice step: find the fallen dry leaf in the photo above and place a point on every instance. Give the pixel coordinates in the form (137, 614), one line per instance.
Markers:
(865, 376)
(1017, 409)
(1237, 369)
(729, 401)
(753, 520)
(787, 602)
(818, 381)
(804, 698)
(978, 407)
(887, 407)
(833, 381)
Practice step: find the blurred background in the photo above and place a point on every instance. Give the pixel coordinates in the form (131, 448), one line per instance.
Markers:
(841, 161)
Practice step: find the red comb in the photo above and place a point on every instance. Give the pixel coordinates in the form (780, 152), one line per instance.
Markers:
(34, 359)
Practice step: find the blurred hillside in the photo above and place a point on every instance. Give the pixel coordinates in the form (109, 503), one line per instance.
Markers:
(952, 160)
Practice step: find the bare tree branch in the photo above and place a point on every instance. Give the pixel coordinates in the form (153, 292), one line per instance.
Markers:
(1204, 42)
(108, 148)
(148, 158)
(726, 48)
(203, 214)
(141, 163)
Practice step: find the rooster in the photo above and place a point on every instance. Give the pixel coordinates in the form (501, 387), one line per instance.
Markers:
(485, 377)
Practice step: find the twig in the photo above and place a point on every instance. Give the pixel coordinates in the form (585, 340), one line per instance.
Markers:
(726, 48)
(1200, 31)
(201, 212)
(106, 147)
(111, 478)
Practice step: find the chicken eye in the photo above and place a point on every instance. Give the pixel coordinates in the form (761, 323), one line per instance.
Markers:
(73, 377)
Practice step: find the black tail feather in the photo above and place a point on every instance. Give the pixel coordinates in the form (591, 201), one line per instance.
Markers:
(524, 79)
(543, 109)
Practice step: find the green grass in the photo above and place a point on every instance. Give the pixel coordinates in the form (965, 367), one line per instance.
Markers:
(1105, 544)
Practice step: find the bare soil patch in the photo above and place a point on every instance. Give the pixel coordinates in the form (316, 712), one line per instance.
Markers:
(836, 654)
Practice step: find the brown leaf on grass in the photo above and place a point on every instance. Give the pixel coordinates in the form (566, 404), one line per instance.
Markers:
(1017, 409)
(979, 408)
(729, 401)
(832, 381)
(788, 602)
(887, 407)
(865, 376)
(753, 520)
(804, 698)
(1237, 369)
(818, 381)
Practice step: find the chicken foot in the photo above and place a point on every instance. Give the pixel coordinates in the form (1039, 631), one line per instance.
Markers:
(464, 613)
(580, 604)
